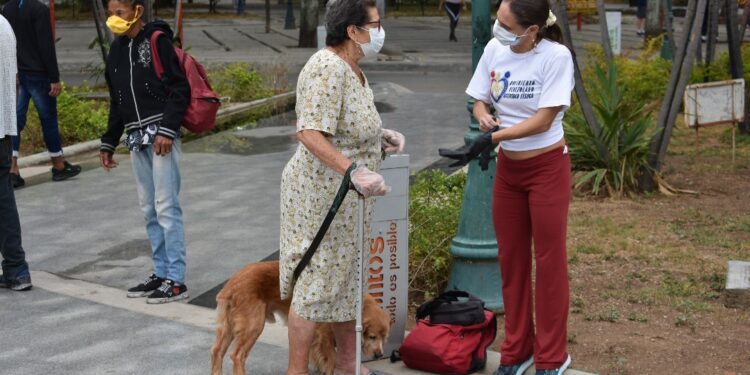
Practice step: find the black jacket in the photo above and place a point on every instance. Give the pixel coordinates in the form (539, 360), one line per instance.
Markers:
(137, 97)
(34, 41)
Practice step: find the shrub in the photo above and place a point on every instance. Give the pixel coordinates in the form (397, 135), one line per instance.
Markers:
(240, 83)
(625, 135)
(434, 209)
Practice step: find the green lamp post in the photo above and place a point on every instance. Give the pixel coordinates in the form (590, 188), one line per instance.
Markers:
(474, 249)
(666, 49)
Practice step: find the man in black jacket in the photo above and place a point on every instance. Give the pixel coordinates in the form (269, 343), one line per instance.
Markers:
(39, 79)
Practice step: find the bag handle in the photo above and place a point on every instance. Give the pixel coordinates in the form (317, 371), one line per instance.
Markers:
(158, 67)
(340, 195)
(446, 297)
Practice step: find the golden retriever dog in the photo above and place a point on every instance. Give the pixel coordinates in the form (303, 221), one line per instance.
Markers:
(251, 297)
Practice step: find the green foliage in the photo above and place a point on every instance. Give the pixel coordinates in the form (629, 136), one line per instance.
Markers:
(79, 120)
(642, 79)
(626, 134)
(434, 210)
(240, 82)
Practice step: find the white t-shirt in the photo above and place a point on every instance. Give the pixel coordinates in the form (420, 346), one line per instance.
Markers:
(518, 84)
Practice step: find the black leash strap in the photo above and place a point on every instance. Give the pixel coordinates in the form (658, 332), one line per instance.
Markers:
(340, 195)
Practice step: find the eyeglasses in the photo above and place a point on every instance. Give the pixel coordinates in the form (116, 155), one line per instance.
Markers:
(378, 23)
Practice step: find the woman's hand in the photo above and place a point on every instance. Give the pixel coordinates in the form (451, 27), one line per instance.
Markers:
(162, 145)
(487, 122)
(108, 162)
(393, 142)
(368, 183)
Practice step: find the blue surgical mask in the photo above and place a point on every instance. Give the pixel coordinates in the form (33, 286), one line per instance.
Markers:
(505, 37)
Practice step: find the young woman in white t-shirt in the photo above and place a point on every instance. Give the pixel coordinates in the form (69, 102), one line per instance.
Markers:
(526, 75)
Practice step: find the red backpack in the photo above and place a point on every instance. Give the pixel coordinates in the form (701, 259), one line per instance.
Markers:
(200, 115)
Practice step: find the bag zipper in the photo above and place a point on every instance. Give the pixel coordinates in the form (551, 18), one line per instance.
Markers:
(132, 91)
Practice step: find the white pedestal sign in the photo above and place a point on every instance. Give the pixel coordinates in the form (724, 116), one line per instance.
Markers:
(387, 262)
(614, 26)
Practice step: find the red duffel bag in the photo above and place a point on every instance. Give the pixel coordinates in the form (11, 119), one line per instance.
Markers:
(449, 349)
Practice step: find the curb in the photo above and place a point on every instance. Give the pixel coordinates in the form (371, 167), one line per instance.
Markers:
(224, 113)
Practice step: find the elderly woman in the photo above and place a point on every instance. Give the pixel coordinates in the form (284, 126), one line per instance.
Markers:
(337, 126)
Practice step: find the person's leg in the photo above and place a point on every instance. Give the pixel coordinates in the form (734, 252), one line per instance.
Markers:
(14, 258)
(22, 108)
(143, 172)
(549, 199)
(510, 213)
(301, 335)
(46, 106)
(453, 11)
(346, 349)
(166, 176)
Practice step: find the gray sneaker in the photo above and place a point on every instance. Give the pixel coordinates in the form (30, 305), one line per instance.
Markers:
(517, 369)
(20, 283)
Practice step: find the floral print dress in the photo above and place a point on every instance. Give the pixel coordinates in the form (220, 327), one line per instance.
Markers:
(332, 100)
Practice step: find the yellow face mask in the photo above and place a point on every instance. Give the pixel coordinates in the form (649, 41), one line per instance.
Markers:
(119, 26)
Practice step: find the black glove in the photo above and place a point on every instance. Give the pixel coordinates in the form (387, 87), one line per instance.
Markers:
(463, 155)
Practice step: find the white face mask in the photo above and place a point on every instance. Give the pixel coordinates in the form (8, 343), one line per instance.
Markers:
(377, 39)
(505, 37)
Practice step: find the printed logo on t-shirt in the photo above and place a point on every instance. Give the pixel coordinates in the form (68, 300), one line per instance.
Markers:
(502, 88)
(499, 85)
(521, 89)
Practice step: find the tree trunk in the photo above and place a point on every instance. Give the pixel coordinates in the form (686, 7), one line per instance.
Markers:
(103, 33)
(670, 28)
(580, 89)
(653, 19)
(736, 67)
(743, 23)
(148, 11)
(606, 45)
(308, 24)
(713, 31)
(268, 16)
(681, 83)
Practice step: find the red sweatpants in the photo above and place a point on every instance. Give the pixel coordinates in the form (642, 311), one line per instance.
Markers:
(530, 204)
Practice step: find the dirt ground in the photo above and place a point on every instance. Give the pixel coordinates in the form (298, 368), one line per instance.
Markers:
(647, 273)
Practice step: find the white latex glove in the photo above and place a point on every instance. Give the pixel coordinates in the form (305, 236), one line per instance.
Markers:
(393, 142)
(368, 183)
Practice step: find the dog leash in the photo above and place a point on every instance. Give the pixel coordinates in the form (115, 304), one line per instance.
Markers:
(337, 201)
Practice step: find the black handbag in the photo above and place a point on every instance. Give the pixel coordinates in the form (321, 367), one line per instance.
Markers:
(453, 307)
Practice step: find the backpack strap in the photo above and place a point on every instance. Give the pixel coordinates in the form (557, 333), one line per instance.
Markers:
(158, 68)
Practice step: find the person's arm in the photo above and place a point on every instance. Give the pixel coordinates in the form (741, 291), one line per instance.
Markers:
(178, 99)
(441, 4)
(46, 45)
(317, 143)
(540, 122)
(115, 128)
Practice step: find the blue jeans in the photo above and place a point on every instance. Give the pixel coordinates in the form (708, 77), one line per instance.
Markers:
(158, 180)
(36, 87)
(14, 258)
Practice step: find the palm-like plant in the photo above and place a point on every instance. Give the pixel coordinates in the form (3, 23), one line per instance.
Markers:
(626, 133)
